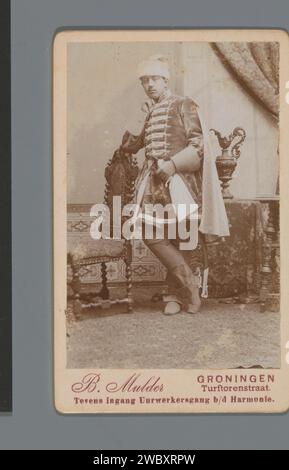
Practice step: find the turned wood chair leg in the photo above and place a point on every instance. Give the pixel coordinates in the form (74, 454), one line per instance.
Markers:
(129, 284)
(76, 285)
(77, 308)
(104, 292)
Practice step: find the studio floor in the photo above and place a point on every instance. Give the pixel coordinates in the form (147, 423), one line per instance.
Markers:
(219, 336)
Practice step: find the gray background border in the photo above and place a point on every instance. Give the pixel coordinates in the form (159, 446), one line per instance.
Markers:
(34, 422)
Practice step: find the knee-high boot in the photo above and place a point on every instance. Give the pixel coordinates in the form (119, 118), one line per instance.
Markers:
(182, 281)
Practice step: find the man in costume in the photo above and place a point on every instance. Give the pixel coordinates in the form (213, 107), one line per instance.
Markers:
(178, 162)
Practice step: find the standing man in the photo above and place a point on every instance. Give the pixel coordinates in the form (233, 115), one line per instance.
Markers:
(174, 143)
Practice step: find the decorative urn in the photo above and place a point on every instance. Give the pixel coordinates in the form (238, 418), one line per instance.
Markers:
(227, 161)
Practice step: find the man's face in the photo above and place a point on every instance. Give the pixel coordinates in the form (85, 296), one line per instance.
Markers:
(154, 86)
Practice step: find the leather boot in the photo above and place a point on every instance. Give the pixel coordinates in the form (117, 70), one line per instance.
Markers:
(173, 305)
(188, 288)
(172, 308)
(195, 305)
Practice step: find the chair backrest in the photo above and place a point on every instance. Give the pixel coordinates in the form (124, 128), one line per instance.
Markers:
(120, 174)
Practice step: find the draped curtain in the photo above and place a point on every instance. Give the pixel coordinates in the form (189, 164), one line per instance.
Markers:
(255, 65)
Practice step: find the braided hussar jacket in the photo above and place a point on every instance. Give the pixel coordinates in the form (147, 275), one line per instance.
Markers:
(172, 131)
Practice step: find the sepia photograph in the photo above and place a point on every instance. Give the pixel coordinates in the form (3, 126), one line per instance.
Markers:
(170, 230)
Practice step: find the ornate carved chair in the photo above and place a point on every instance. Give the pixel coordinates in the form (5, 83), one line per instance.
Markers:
(120, 174)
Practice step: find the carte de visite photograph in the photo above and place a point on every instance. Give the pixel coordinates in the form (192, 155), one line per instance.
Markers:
(167, 187)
